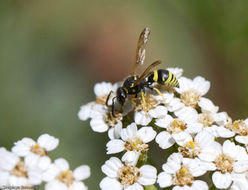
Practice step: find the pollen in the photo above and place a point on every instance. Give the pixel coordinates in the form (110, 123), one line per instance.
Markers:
(128, 175)
(66, 177)
(224, 163)
(239, 127)
(136, 144)
(190, 98)
(110, 120)
(177, 126)
(190, 149)
(206, 119)
(36, 149)
(146, 103)
(183, 177)
(101, 100)
(20, 170)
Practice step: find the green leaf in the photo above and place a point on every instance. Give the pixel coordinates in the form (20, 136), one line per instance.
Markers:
(151, 187)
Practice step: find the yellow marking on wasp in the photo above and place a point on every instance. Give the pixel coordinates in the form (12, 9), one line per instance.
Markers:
(126, 90)
(133, 101)
(132, 85)
(143, 97)
(155, 75)
(163, 79)
(169, 79)
(133, 90)
(135, 77)
(157, 90)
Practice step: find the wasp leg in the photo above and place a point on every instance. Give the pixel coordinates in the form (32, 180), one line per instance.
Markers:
(106, 103)
(159, 93)
(143, 97)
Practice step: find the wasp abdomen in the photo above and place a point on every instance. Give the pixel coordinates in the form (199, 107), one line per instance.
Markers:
(163, 77)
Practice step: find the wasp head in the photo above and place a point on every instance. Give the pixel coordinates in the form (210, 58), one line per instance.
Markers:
(121, 95)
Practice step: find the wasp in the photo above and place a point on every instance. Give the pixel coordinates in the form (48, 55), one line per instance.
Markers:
(135, 84)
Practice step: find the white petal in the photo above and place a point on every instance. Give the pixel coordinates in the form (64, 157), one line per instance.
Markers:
(98, 125)
(221, 181)
(17, 181)
(222, 118)
(204, 138)
(210, 153)
(111, 167)
(148, 175)
(230, 149)
(173, 163)
(115, 146)
(22, 147)
(81, 172)
(185, 84)
(4, 177)
(129, 132)
(8, 160)
(164, 122)
(224, 132)
(62, 164)
(240, 166)
(110, 184)
(182, 138)
(195, 167)
(141, 118)
(35, 161)
(194, 127)
(207, 105)
(242, 139)
(135, 186)
(35, 177)
(103, 88)
(48, 142)
(187, 114)
(164, 140)
(164, 180)
(159, 111)
(174, 105)
(115, 133)
(199, 185)
(51, 173)
(201, 85)
(85, 111)
(131, 157)
(78, 185)
(55, 185)
(146, 134)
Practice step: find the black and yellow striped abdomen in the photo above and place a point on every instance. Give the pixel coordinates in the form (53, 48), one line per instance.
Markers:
(163, 77)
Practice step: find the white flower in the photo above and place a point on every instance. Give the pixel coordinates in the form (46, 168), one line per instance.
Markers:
(15, 172)
(133, 141)
(148, 109)
(178, 72)
(101, 91)
(36, 152)
(180, 173)
(59, 176)
(127, 177)
(191, 92)
(230, 159)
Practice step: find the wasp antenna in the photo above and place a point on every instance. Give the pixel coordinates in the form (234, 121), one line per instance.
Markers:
(106, 103)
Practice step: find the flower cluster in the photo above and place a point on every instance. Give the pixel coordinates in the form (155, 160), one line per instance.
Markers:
(28, 165)
(202, 141)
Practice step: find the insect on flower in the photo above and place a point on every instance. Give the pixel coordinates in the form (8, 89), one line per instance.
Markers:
(135, 84)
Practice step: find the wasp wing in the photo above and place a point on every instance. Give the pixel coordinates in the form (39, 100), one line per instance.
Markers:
(141, 51)
(147, 72)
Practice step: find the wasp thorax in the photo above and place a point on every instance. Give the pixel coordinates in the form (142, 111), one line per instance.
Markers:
(20, 170)
(190, 150)
(128, 175)
(224, 163)
(190, 98)
(183, 177)
(36, 149)
(66, 177)
(136, 144)
(176, 126)
(206, 119)
(110, 120)
(239, 127)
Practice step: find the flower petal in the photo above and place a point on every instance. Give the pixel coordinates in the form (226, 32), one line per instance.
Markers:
(164, 140)
(110, 184)
(115, 146)
(141, 118)
(148, 175)
(48, 142)
(129, 132)
(164, 180)
(81, 172)
(221, 181)
(146, 134)
(111, 167)
(22, 147)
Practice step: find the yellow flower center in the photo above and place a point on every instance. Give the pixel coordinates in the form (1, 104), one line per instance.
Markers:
(128, 175)
(36, 149)
(177, 126)
(136, 144)
(224, 163)
(190, 98)
(239, 127)
(110, 120)
(206, 119)
(20, 170)
(146, 103)
(183, 177)
(66, 177)
(190, 149)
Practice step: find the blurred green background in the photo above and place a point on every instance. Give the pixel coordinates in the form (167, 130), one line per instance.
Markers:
(52, 53)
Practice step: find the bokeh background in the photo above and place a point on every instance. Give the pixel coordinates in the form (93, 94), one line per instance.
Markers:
(53, 52)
